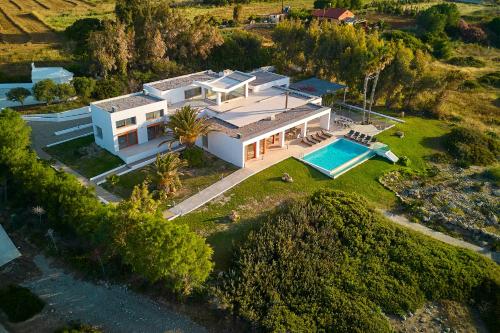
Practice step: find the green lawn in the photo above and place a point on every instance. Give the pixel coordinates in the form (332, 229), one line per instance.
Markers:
(88, 165)
(263, 191)
(193, 179)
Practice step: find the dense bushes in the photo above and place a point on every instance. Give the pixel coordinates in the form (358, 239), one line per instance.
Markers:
(242, 50)
(19, 303)
(491, 79)
(471, 147)
(466, 62)
(329, 263)
(133, 231)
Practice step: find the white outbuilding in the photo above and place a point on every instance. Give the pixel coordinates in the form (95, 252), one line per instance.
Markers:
(56, 74)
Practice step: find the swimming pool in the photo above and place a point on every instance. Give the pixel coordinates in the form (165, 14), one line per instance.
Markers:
(329, 158)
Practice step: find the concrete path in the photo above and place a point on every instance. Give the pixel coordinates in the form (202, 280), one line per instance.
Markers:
(113, 308)
(403, 221)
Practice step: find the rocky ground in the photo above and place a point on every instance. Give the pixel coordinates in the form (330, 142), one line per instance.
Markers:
(461, 201)
(440, 317)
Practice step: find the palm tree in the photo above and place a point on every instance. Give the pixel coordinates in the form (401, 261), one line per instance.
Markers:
(186, 126)
(166, 172)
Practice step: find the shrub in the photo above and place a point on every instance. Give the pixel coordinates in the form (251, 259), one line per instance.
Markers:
(469, 85)
(19, 303)
(110, 87)
(330, 263)
(466, 62)
(471, 33)
(84, 86)
(493, 174)
(45, 91)
(194, 156)
(404, 161)
(491, 79)
(471, 147)
(18, 94)
(441, 48)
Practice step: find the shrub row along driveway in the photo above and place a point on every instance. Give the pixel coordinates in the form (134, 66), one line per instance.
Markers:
(113, 308)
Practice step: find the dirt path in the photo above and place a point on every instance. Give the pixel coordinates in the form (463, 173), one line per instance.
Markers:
(403, 221)
(113, 308)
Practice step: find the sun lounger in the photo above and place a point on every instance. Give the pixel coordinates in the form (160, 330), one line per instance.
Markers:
(313, 139)
(367, 139)
(348, 135)
(320, 135)
(374, 139)
(311, 142)
(360, 138)
(355, 135)
(304, 140)
(325, 133)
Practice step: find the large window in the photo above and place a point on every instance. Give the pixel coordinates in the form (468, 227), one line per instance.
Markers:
(154, 115)
(204, 141)
(191, 93)
(154, 131)
(127, 139)
(125, 122)
(98, 132)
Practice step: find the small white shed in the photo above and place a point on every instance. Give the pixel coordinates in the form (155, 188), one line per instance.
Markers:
(56, 74)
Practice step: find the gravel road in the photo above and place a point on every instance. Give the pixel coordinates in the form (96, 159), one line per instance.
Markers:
(113, 308)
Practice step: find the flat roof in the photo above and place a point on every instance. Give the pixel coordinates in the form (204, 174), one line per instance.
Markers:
(259, 105)
(227, 82)
(266, 125)
(262, 77)
(317, 86)
(127, 102)
(183, 81)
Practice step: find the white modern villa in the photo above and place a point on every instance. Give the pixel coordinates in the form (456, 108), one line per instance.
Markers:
(250, 115)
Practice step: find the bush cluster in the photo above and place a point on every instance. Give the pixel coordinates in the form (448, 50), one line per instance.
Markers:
(19, 303)
(466, 62)
(330, 263)
(134, 231)
(471, 147)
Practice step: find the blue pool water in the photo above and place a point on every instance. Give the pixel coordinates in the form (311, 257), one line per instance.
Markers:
(335, 154)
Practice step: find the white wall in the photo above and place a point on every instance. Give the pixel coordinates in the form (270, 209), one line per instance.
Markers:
(224, 147)
(107, 121)
(102, 119)
(141, 124)
(285, 81)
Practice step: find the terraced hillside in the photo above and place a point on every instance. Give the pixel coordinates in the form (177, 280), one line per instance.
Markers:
(30, 31)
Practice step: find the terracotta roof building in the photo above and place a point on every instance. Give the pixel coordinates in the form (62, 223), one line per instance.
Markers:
(332, 14)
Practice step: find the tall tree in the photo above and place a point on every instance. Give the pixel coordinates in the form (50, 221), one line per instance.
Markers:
(111, 48)
(18, 94)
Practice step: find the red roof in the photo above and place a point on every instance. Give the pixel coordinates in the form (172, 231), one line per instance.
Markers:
(332, 13)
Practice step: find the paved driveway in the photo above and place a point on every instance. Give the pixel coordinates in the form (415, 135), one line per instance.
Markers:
(113, 308)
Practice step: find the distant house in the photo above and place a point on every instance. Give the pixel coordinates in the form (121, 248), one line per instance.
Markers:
(333, 14)
(56, 74)
(277, 17)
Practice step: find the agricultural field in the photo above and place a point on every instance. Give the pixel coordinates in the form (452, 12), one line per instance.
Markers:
(30, 31)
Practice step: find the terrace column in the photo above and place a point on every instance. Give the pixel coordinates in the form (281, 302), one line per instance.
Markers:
(246, 90)
(324, 121)
(257, 149)
(303, 129)
(218, 101)
(204, 93)
(282, 139)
